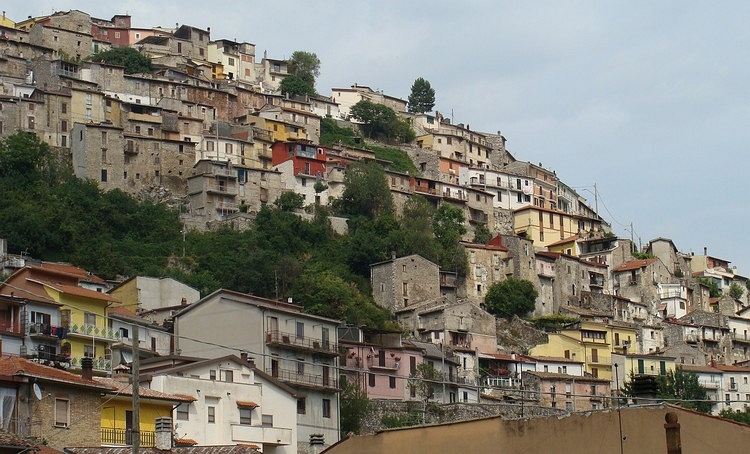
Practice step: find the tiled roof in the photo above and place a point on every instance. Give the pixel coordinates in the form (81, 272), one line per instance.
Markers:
(704, 369)
(633, 265)
(564, 241)
(247, 404)
(554, 359)
(80, 291)
(554, 376)
(80, 273)
(126, 389)
(226, 449)
(8, 439)
(15, 366)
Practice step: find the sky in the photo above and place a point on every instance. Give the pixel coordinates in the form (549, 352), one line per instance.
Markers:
(645, 103)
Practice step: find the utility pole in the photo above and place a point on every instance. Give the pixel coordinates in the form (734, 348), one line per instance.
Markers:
(136, 364)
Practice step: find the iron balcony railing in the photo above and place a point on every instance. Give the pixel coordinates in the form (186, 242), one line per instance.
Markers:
(303, 379)
(301, 342)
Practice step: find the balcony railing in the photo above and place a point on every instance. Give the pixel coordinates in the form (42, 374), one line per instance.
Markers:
(304, 380)
(94, 331)
(100, 364)
(44, 329)
(221, 189)
(386, 364)
(302, 343)
(124, 437)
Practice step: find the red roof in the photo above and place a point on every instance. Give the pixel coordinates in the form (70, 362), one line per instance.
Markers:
(634, 265)
(80, 273)
(12, 366)
(80, 291)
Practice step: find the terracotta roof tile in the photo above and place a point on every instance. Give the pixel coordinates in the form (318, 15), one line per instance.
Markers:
(633, 265)
(126, 389)
(80, 291)
(16, 366)
(247, 404)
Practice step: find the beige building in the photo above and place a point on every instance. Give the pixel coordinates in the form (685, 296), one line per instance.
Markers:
(625, 430)
(347, 97)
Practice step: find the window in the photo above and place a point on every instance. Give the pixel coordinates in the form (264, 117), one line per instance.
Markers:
(124, 333)
(227, 376)
(266, 420)
(89, 318)
(246, 416)
(212, 374)
(326, 408)
(183, 411)
(300, 330)
(371, 380)
(62, 412)
(392, 382)
(301, 406)
(228, 148)
(31, 122)
(211, 415)
(64, 107)
(230, 61)
(150, 131)
(300, 366)
(89, 351)
(594, 355)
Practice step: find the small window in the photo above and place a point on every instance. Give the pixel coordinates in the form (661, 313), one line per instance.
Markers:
(212, 374)
(392, 382)
(62, 412)
(183, 411)
(246, 416)
(326, 408)
(227, 376)
(301, 406)
(267, 420)
(211, 415)
(371, 380)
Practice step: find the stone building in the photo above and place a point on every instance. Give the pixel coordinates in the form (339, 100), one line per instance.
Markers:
(404, 281)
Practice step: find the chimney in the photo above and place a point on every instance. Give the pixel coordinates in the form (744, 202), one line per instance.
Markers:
(705, 250)
(243, 356)
(164, 434)
(184, 301)
(87, 368)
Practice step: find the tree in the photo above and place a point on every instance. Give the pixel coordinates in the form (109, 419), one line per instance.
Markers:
(448, 226)
(306, 66)
(736, 291)
(290, 201)
(422, 97)
(293, 85)
(381, 122)
(511, 297)
(424, 379)
(739, 416)
(355, 406)
(713, 287)
(22, 158)
(366, 191)
(482, 234)
(684, 385)
(127, 57)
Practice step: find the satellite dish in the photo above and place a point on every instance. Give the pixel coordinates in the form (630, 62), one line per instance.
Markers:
(37, 391)
(127, 357)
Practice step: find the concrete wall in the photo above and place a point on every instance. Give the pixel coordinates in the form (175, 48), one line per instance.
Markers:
(642, 430)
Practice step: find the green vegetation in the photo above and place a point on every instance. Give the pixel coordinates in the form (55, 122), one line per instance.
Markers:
(642, 255)
(422, 97)
(294, 86)
(51, 215)
(739, 416)
(355, 406)
(683, 385)
(127, 57)
(713, 287)
(394, 421)
(332, 134)
(552, 323)
(305, 66)
(511, 297)
(482, 234)
(736, 291)
(381, 122)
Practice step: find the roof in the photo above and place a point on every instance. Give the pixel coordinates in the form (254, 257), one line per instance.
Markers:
(75, 271)
(258, 301)
(567, 240)
(703, 369)
(79, 291)
(633, 265)
(14, 366)
(126, 389)
(554, 359)
(226, 449)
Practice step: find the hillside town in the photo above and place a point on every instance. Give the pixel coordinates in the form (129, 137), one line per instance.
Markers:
(90, 364)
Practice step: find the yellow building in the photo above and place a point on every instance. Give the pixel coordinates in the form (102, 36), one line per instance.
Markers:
(628, 365)
(545, 226)
(83, 313)
(591, 343)
(117, 412)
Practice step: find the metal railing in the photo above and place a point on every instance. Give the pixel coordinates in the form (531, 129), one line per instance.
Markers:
(303, 379)
(302, 342)
(94, 331)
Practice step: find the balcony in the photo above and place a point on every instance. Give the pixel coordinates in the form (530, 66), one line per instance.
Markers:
(9, 326)
(502, 382)
(740, 338)
(221, 172)
(132, 148)
(692, 338)
(45, 330)
(124, 437)
(221, 189)
(272, 436)
(262, 134)
(478, 217)
(227, 207)
(709, 384)
(146, 118)
(307, 344)
(93, 331)
(390, 364)
(423, 190)
(456, 195)
(303, 380)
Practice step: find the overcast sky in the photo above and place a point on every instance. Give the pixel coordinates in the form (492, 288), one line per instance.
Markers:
(646, 99)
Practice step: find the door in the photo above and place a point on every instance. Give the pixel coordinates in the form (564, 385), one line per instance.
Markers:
(128, 427)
